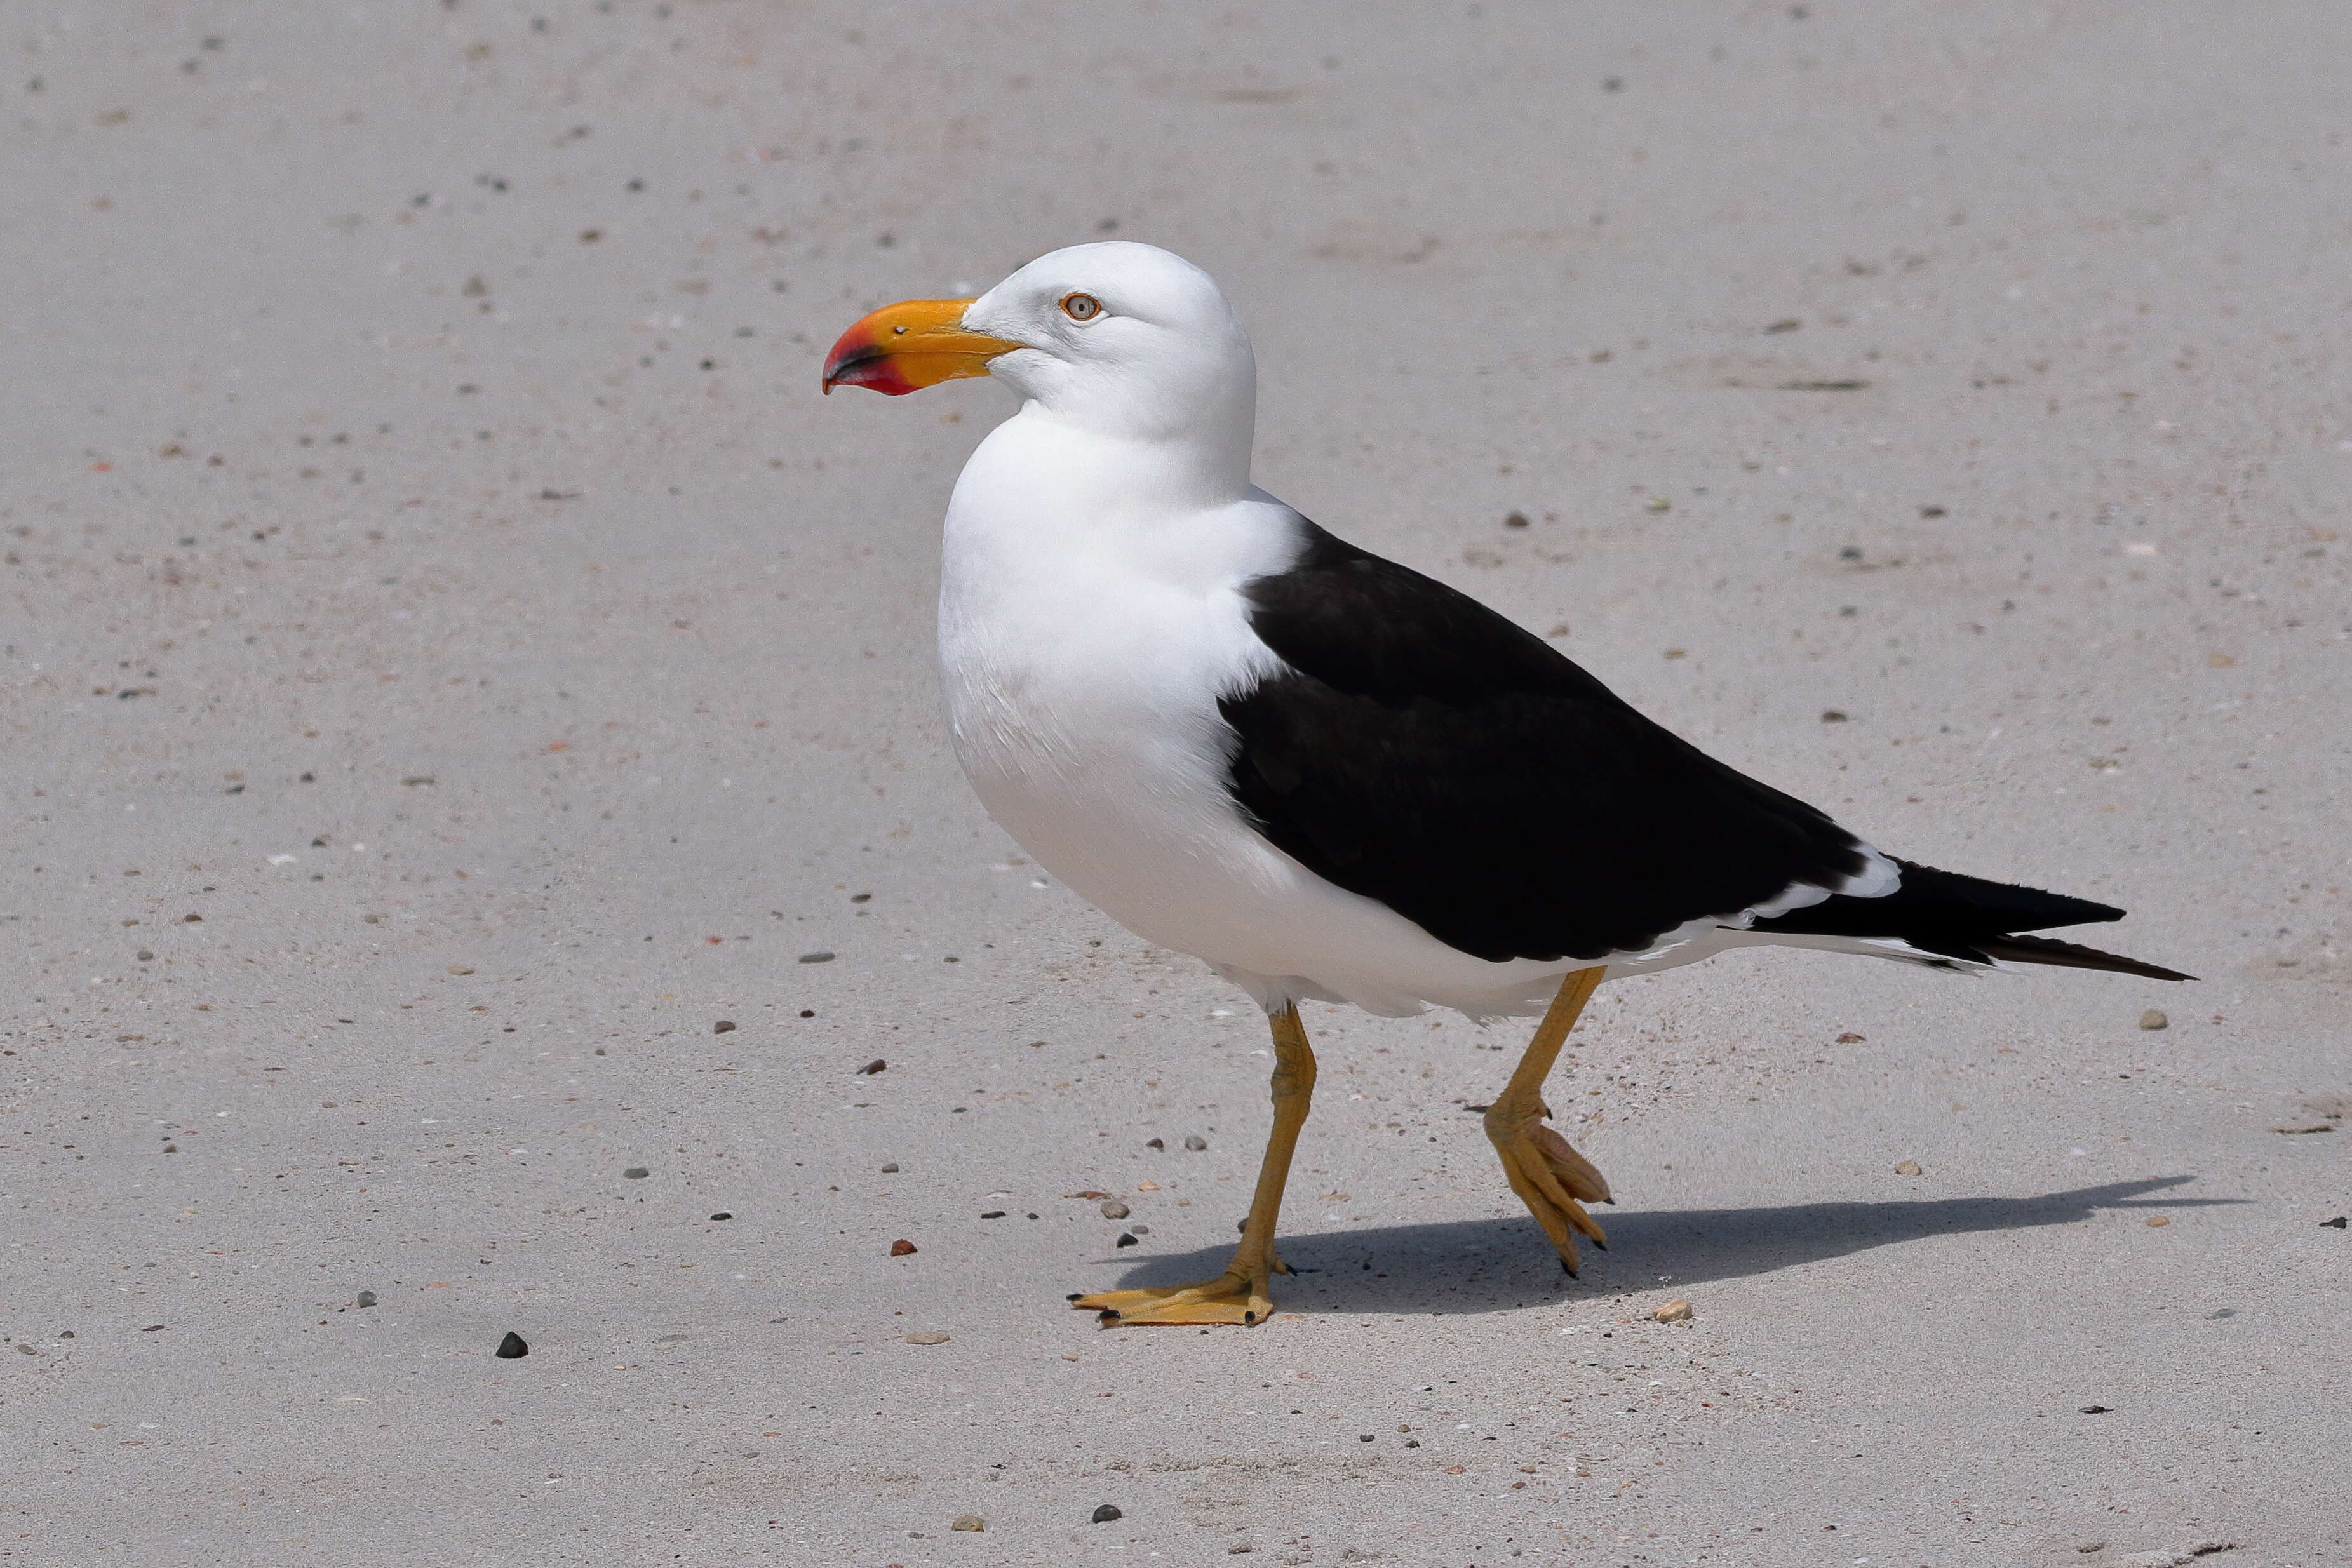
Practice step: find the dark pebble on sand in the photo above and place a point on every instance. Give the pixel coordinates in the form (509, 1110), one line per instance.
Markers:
(513, 1347)
(1194, 1141)
(2338, 1223)
(724, 1026)
(994, 1214)
(902, 1248)
(1124, 1240)
(1155, 1142)
(817, 958)
(876, 1065)
(724, 1214)
(2095, 1410)
(364, 1298)
(1106, 1513)
(890, 1170)
(636, 1173)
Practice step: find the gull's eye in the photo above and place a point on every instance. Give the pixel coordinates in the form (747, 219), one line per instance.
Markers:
(1081, 306)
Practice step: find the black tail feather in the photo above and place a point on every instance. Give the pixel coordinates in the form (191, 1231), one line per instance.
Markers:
(2071, 956)
(1970, 918)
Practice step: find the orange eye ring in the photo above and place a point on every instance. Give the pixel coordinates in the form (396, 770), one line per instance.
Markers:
(1081, 306)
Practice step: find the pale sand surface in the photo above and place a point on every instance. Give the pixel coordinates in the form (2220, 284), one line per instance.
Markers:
(618, 663)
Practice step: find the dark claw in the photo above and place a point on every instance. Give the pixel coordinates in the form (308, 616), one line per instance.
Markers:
(1568, 1269)
(1074, 1295)
(1597, 1242)
(1249, 1319)
(1610, 1201)
(1107, 1316)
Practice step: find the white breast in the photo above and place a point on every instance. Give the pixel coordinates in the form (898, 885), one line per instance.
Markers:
(1085, 634)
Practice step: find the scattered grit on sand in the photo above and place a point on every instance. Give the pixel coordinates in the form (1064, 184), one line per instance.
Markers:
(484, 870)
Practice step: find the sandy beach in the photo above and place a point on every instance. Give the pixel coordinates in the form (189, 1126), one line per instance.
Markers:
(478, 802)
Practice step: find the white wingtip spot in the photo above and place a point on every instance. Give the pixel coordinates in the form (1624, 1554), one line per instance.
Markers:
(1878, 877)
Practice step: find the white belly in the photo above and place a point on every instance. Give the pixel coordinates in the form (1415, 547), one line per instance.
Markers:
(1082, 664)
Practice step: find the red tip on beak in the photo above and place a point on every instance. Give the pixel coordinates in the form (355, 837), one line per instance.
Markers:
(860, 359)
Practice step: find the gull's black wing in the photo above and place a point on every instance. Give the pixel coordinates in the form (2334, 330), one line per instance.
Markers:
(1419, 749)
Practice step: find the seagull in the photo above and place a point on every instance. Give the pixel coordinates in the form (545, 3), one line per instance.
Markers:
(1330, 777)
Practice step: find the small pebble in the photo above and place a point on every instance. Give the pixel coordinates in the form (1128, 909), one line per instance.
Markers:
(1106, 1513)
(1515, 520)
(874, 1066)
(29, 1350)
(2095, 1410)
(65, 1333)
(970, 1523)
(1658, 503)
(2152, 1018)
(1147, 1186)
(993, 1213)
(1850, 1038)
(1908, 1168)
(817, 958)
(1194, 1141)
(144, 956)
(1155, 1142)
(902, 1248)
(364, 1298)
(636, 1173)
(513, 1347)
(1833, 716)
(1125, 1240)
(724, 1026)
(927, 1336)
(1141, 1230)
(1363, 1437)
(2158, 1221)
(890, 1170)
(1675, 1311)
(723, 1214)
(461, 968)
(1114, 1209)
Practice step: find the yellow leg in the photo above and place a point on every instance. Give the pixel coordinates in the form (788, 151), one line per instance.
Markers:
(1239, 1294)
(1549, 1176)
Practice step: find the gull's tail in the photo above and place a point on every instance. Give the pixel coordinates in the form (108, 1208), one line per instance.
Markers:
(1943, 918)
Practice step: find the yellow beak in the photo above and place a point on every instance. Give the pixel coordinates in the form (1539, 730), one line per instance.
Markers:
(906, 347)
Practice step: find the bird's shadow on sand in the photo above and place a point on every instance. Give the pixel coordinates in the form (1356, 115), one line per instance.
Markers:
(1487, 1265)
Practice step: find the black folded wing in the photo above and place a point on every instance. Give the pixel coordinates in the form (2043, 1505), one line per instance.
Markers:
(1421, 750)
